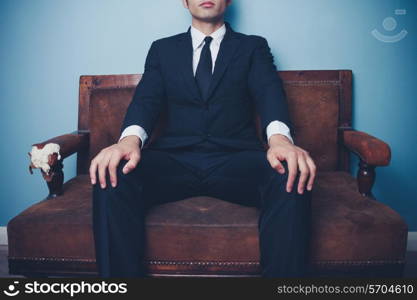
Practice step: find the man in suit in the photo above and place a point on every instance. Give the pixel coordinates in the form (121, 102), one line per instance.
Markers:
(209, 81)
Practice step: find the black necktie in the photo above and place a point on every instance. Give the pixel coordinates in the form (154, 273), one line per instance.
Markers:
(203, 73)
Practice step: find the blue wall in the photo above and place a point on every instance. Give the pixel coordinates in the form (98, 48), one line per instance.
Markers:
(47, 44)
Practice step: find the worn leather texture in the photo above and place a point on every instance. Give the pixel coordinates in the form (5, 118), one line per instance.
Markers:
(345, 226)
(370, 149)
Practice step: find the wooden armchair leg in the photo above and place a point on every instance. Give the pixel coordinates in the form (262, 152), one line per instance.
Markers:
(56, 182)
(366, 179)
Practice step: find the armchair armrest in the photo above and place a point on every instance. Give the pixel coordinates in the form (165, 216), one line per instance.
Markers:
(48, 157)
(372, 152)
(368, 148)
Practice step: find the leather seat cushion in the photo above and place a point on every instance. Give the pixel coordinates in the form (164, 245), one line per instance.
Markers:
(345, 226)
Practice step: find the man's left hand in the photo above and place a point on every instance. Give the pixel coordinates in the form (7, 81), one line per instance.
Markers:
(281, 148)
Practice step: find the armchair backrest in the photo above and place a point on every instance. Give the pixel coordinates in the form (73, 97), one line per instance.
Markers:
(319, 104)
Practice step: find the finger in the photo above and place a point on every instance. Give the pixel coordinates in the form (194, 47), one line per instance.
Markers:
(113, 163)
(276, 164)
(292, 170)
(102, 170)
(93, 170)
(132, 163)
(304, 169)
(313, 170)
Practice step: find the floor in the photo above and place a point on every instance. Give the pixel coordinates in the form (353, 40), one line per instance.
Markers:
(410, 269)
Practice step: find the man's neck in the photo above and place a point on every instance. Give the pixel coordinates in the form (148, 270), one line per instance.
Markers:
(206, 27)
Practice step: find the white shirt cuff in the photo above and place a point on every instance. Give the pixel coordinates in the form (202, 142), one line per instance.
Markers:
(135, 130)
(276, 127)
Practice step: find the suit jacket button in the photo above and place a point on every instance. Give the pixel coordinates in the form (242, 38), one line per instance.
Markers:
(208, 135)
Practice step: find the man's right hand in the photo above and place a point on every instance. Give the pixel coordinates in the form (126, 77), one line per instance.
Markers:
(127, 148)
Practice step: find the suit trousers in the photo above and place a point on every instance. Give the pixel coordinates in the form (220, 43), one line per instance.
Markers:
(240, 176)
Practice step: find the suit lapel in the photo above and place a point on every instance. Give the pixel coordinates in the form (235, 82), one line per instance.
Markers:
(228, 46)
(185, 58)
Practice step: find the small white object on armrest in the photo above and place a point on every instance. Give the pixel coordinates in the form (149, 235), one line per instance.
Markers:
(40, 157)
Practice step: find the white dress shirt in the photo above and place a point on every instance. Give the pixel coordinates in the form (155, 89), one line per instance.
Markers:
(275, 127)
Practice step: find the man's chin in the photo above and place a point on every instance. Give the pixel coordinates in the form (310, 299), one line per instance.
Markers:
(208, 19)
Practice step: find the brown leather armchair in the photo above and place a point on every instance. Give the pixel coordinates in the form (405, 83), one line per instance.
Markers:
(352, 233)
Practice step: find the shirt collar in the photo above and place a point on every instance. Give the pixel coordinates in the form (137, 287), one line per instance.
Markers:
(198, 36)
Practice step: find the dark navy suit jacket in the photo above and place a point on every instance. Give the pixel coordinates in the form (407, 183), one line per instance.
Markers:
(244, 79)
